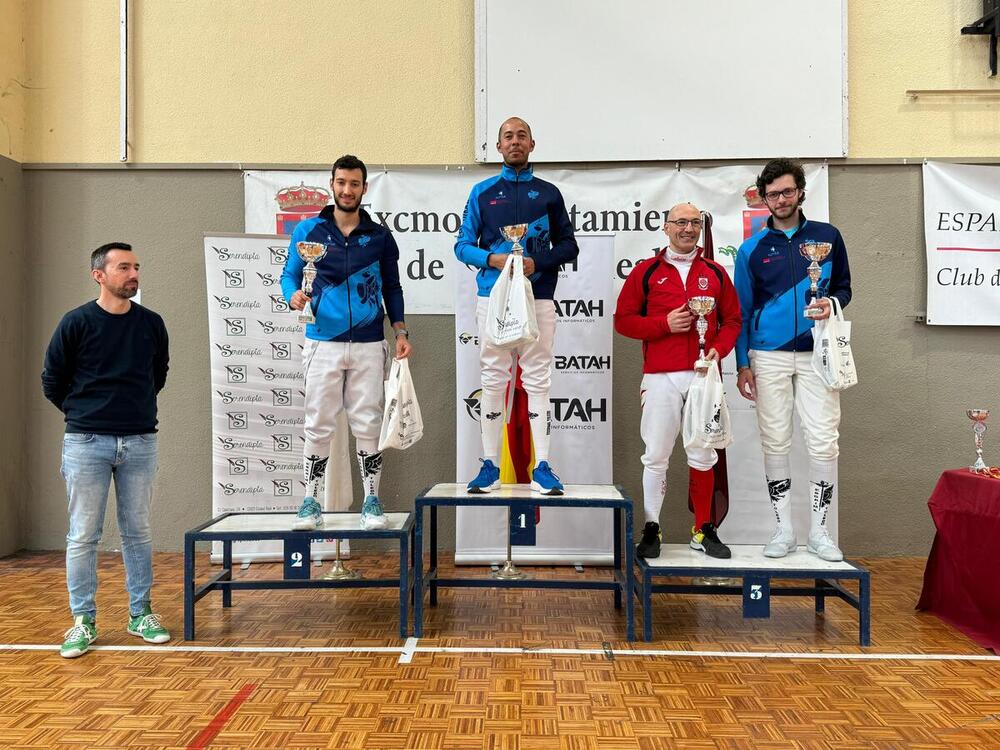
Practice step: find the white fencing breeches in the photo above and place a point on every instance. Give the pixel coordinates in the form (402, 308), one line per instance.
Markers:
(662, 395)
(535, 361)
(343, 376)
(787, 379)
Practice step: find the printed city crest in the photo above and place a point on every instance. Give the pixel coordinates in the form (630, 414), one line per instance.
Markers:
(702, 283)
(364, 239)
(532, 194)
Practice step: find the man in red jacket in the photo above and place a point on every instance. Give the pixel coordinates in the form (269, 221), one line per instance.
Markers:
(652, 307)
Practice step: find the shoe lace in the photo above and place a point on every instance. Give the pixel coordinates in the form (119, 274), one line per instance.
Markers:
(822, 537)
(708, 530)
(77, 632)
(546, 470)
(150, 622)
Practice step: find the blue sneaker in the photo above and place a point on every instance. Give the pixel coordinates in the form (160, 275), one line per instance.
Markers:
(545, 481)
(372, 516)
(487, 480)
(310, 516)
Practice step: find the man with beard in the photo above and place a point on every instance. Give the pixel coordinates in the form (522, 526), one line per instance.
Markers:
(653, 307)
(343, 359)
(516, 196)
(105, 364)
(774, 350)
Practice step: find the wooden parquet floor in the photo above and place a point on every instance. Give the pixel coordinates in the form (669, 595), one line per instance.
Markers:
(172, 696)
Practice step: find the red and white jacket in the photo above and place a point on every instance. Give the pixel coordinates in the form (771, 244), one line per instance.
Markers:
(662, 349)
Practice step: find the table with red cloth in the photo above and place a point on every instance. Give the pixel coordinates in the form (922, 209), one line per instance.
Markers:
(962, 578)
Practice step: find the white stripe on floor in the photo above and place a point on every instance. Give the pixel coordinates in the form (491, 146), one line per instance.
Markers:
(410, 648)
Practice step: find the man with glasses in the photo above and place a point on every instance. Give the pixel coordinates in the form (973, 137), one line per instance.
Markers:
(653, 307)
(774, 350)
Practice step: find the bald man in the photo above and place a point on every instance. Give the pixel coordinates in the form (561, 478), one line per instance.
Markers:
(516, 196)
(652, 307)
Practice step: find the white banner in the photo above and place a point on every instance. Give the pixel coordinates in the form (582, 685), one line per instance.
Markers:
(581, 416)
(423, 206)
(962, 231)
(257, 388)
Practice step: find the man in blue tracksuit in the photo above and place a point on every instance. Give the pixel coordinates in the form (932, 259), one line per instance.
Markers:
(774, 350)
(343, 359)
(516, 196)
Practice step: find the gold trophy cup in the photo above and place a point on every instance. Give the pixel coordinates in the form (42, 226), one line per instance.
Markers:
(701, 306)
(815, 252)
(311, 253)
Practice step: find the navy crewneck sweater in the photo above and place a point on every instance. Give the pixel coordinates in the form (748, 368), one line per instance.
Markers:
(103, 371)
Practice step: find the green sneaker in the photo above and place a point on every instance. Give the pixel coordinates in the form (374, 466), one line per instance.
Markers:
(147, 626)
(79, 637)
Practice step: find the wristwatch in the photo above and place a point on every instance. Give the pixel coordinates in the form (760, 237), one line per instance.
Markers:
(402, 332)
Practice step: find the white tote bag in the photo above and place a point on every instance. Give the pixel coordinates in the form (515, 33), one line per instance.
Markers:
(402, 424)
(510, 318)
(832, 357)
(706, 414)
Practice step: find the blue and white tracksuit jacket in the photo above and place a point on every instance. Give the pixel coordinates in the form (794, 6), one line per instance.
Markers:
(517, 198)
(352, 279)
(773, 287)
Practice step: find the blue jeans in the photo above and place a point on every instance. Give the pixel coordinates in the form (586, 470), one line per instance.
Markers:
(89, 462)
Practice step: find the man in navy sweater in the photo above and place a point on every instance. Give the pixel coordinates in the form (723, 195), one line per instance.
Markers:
(774, 350)
(104, 366)
(516, 196)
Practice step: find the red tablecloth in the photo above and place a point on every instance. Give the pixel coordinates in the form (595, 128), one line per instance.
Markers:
(962, 578)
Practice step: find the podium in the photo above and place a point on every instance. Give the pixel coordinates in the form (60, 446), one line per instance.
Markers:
(245, 527)
(756, 573)
(519, 495)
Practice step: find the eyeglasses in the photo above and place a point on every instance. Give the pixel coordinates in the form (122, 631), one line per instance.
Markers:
(773, 195)
(683, 223)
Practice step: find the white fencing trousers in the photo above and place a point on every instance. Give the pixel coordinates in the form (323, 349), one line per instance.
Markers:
(343, 376)
(787, 379)
(535, 361)
(662, 395)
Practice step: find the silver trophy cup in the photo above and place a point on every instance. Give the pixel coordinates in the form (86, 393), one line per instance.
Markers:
(978, 417)
(311, 253)
(701, 306)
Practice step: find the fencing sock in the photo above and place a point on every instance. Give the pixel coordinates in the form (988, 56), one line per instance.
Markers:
(538, 418)
(778, 472)
(314, 472)
(821, 476)
(701, 485)
(654, 486)
(491, 424)
(370, 464)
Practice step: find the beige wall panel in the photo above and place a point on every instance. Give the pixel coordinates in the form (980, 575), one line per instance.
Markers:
(902, 425)
(254, 81)
(12, 78)
(14, 487)
(893, 48)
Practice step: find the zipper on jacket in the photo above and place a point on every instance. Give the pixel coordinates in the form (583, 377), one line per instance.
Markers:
(756, 321)
(795, 299)
(347, 283)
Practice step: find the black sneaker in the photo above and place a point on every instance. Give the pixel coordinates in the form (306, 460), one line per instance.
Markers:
(649, 545)
(707, 540)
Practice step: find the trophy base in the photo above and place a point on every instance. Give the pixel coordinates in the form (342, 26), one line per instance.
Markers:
(810, 313)
(308, 319)
(509, 572)
(338, 572)
(703, 364)
(979, 467)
